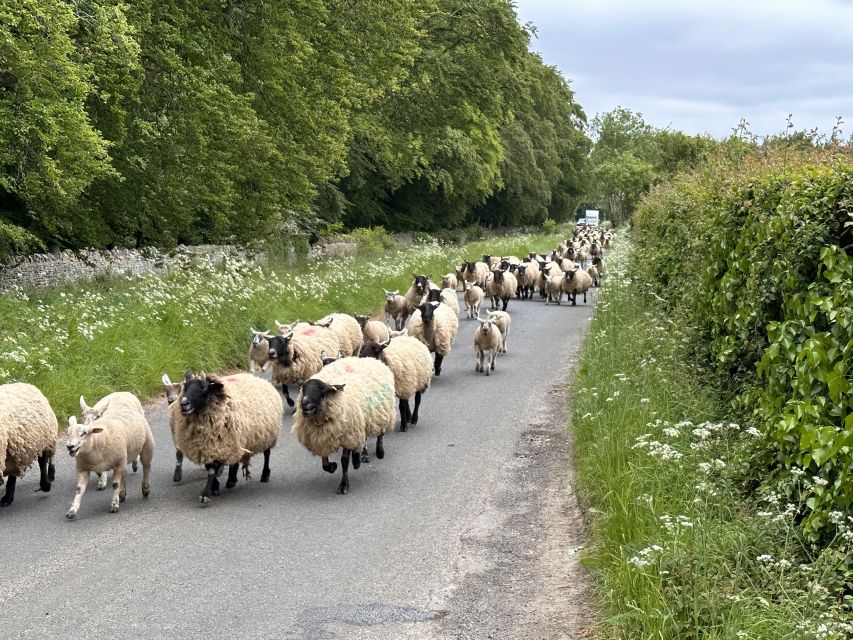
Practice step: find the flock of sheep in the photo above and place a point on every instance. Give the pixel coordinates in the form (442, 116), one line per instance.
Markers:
(350, 370)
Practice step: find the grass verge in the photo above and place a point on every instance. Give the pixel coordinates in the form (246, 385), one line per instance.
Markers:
(122, 333)
(680, 549)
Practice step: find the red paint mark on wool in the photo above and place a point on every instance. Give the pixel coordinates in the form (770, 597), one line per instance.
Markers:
(310, 332)
(349, 368)
(231, 379)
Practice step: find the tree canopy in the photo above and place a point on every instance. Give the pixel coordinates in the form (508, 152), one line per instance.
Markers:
(151, 123)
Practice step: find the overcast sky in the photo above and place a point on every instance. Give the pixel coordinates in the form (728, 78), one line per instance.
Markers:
(702, 65)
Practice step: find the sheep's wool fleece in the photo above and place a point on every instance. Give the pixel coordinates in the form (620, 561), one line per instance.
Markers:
(448, 297)
(439, 337)
(376, 331)
(125, 433)
(506, 289)
(364, 409)
(246, 421)
(27, 427)
(411, 363)
(580, 284)
(307, 346)
(348, 332)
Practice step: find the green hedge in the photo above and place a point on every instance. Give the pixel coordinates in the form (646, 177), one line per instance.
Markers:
(752, 252)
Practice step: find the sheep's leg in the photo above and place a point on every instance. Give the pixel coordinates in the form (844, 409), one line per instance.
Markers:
(584, 297)
(232, 475)
(82, 481)
(122, 483)
(478, 367)
(493, 354)
(212, 487)
(51, 469)
(265, 474)
(9, 496)
(404, 414)
(506, 302)
(44, 479)
(145, 458)
(380, 450)
(118, 487)
(343, 488)
(414, 418)
(355, 454)
(575, 299)
(253, 368)
(102, 480)
(365, 456)
(135, 464)
(179, 462)
(329, 467)
(287, 397)
(438, 359)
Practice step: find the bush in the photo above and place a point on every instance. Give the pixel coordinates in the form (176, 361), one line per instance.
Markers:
(549, 226)
(15, 240)
(373, 239)
(754, 254)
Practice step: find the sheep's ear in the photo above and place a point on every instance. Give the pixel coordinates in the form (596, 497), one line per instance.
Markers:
(278, 325)
(216, 388)
(83, 406)
(340, 353)
(165, 380)
(385, 344)
(252, 329)
(95, 430)
(267, 335)
(188, 375)
(288, 336)
(72, 421)
(336, 387)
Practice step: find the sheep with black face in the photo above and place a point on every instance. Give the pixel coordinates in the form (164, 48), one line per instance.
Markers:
(435, 324)
(502, 286)
(296, 355)
(420, 287)
(222, 421)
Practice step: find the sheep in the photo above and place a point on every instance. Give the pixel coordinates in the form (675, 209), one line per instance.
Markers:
(113, 433)
(576, 281)
(486, 338)
(554, 287)
(411, 363)
(296, 356)
(415, 295)
(450, 281)
(593, 273)
(502, 287)
(477, 273)
(347, 402)
(373, 329)
(473, 299)
(492, 262)
(598, 263)
(225, 420)
(347, 330)
(396, 308)
(503, 322)
(435, 325)
(527, 274)
(259, 352)
(28, 431)
(173, 392)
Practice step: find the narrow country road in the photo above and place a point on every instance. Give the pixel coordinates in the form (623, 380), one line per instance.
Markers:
(467, 529)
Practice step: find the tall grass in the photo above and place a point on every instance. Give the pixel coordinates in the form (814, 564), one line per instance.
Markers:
(122, 333)
(680, 549)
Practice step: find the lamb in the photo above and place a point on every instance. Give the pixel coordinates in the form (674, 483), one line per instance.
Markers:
(473, 299)
(593, 273)
(27, 432)
(576, 281)
(396, 308)
(225, 420)
(502, 287)
(411, 363)
(296, 355)
(173, 392)
(598, 263)
(450, 281)
(113, 433)
(415, 295)
(347, 330)
(486, 338)
(259, 352)
(435, 325)
(373, 329)
(503, 322)
(554, 287)
(340, 407)
(477, 273)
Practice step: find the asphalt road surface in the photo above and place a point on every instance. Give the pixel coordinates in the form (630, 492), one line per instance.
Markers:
(467, 529)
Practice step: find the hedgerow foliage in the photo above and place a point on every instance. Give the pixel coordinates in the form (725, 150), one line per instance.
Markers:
(753, 253)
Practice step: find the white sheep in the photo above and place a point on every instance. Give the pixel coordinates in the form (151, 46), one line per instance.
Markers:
(225, 420)
(502, 287)
(527, 274)
(259, 351)
(503, 322)
(296, 355)
(450, 281)
(592, 271)
(411, 363)
(342, 406)
(487, 337)
(113, 433)
(435, 325)
(173, 392)
(473, 299)
(554, 285)
(396, 308)
(347, 330)
(373, 329)
(28, 431)
(576, 281)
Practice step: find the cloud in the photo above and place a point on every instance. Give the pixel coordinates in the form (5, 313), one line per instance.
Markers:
(702, 66)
